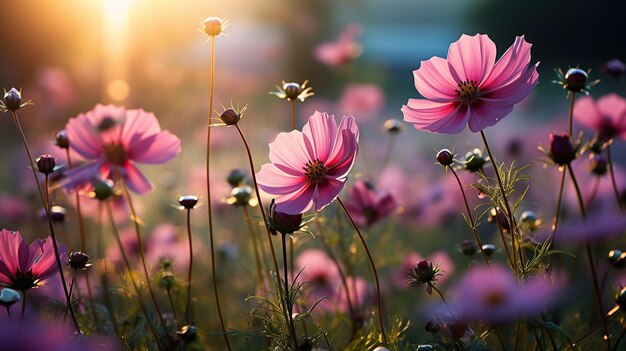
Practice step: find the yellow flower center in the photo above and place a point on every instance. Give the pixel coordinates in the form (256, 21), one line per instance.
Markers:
(315, 171)
(468, 91)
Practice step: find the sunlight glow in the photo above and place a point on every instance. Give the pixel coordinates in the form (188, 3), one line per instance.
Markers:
(116, 15)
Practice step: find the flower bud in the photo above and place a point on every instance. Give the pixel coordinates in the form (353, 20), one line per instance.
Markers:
(286, 223)
(423, 272)
(528, 217)
(78, 260)
(46, 164)
(496, 216)
(230, 117)
(13, 99)
(393, 125)
(620, 299)
(213, 26)
(615, 67)
(425, 348)
(474, 160)
(9, 296)
(380, 348)
(61, 140)
(445, 157)
(57, 214)
(598, 165)
(188, 201)
(468, 248)
(576, 79)
(187, 333)
(489, 249)
(617, 258)
(561, 150)
(236, 177)
(167, 280)
(103, 189)
(292, 90)
(240, 196)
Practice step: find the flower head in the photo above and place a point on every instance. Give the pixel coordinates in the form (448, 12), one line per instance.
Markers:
(24, 266)
(368, 206)
(607, 115)
(575, 80)
(214, 26)
(293, 91)
(309, 169)
(12, 100)
(469, 87)
(112, 139)
(561, 150)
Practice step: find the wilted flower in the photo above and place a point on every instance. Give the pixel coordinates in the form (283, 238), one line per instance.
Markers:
(367, 206)
(112, 139)
(293, 91)
(24, 266)
(468, 88)
(607, 115)
(309, 168)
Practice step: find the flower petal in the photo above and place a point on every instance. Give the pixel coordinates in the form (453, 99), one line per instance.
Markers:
(436, 117)
(484, 115)
(612, 106)
(135, 180)
(434, 81)
(511, 65)
(321, 131)
(471, 58)
(276, 182)
(585, 112)
(327, 193)
(297, 202)
(289, 150)
(155, 149)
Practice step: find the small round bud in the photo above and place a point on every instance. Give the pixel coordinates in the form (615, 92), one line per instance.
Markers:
(393, 125)
(561, 149)
(213, 26)
(425, 348)
(496, 216)
(292, 90)
(78, 260)
(46, 164)
(188, 201)
(167, 280)
(615, 67)
(9, 296)
(230, 117)
(423, 273)
(188, 333)
(57, 214)
(576, 79)
(617, 258)
(286, 223)
(61, 140)
(489, 249)
(474, 160)
(445, 157)
(468, 247)
(103, 189)
(528, 217)
(598, 165)
(620, 299)
(241, 195)
(236, 177)
(13, 99)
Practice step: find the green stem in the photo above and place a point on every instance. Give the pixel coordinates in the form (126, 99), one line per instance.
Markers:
(369, 256)
(255, 248)
(292, 327)
(188, 309)
(615, 190)
(571, 114)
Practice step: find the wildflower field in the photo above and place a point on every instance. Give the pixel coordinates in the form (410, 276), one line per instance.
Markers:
(312, 176)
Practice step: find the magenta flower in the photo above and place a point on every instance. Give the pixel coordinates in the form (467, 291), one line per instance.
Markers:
(321, 276)
(310, 168)
(24, 266)
(469, 87)
(363, 100)
(343, 50)
(368, 206)
(112, 139)
(492, 295)
(607, 116)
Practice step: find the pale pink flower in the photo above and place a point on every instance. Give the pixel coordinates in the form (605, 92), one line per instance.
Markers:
(367, 205)
(112, 139)
(339, 52)
(310, 168)
(362, 100)
(24, 266)
(469, 87)
(607, 115)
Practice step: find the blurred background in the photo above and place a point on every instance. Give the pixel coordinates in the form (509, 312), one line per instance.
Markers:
(358, 55)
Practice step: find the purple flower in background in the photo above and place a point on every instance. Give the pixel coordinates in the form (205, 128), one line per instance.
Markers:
(597, 227)
(368, 206)
(607, 115)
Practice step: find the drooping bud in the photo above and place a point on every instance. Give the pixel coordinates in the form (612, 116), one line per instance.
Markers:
(230, 117)
(188, 201)
(236, 177)
(46, 164)
(13, 100)
(445, 157)
(468, 248)
(561, 149)
(61, 140)
(576, 79)
(213, 26)
(78, 260)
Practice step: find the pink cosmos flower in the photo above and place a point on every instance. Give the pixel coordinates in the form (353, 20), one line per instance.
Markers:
(24, 266)
(339, 52)
(368, 206)
(309, 168)
(112, 139)
(492, 295)
(607, 116)
(469, 87)
(363, 100)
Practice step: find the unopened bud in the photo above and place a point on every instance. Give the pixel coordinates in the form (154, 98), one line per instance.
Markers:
(576, 79)
(13, 99)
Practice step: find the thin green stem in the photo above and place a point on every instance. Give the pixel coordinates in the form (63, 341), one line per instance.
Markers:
(208, 190)
(369, 256)
(188, 309)
(612, 173)
(469, 215)
(255, 248)
(592, 265)
(292, 327)
(555, 223)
